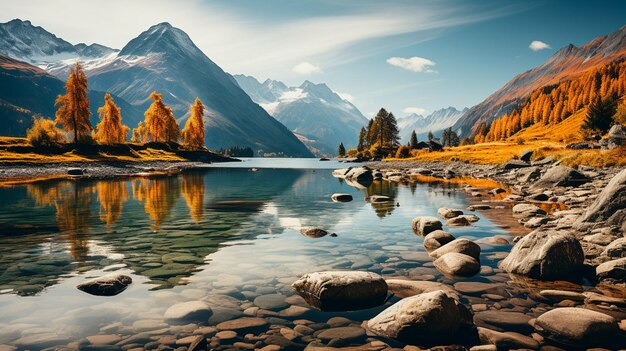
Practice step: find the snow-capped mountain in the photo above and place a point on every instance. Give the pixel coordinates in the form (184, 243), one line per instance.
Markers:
(313, 111)
(34, 45)
(163, 59)
(435, 122)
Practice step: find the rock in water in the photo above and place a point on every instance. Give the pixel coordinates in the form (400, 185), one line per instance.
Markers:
(460, 221)
(610, 206)
(407, 288)
(109, 285)
(426, 224)
(457, 264)
(423, 319)
(189, 311)
(463, 246)
(341, 197)
(576, 326)
(446, 213)
(379, 198)
(507, 340)
(361, 175)
(612, 271)
(342, 290)
(313, 232)
(436, 239)
(561, 176)
(548, 255)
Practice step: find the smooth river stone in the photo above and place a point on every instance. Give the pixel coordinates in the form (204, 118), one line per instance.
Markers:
(243, 325)
(271, 301)
(187, 311)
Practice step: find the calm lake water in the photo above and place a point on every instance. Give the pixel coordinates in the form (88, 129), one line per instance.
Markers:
(224, 234)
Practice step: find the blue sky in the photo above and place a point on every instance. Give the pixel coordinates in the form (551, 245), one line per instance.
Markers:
(403, 55)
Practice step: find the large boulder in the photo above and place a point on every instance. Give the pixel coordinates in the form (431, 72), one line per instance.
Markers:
(561, 176)
(546, 255)
(463, 246)
(424, 319)
(362, 175)
(577, 327)
(612, 271)
(610, 205)
(457, 264)
(437, 239)
(342, 290)
(108, 285)
(424, 225)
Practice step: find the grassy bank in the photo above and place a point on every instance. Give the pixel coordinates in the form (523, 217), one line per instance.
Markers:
(19, 150)
(500, 152)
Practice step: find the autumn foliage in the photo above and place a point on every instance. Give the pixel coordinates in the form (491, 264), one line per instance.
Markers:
(160, 124)
(193, 133)
(110, 130)
(73, 107)
(44, 132)
(552, 104)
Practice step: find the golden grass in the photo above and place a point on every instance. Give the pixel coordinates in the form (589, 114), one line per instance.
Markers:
(567, 131)
(481, 183)
(6, 156)
(594, 158)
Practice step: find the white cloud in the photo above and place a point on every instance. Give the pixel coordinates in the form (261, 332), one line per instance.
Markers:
(414, 64)
(537, 45)
(306, 68)
(346, 97)
(416, 110)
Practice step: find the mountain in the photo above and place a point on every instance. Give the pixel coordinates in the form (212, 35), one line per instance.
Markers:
(567, 63)
(162, 59)
(315, 113)
(26, 90)
(435, 122)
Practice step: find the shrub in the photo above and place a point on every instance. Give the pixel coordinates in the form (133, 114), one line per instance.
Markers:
(403, 151)
(44, 132)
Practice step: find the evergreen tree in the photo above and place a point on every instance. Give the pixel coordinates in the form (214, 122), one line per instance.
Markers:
(445, 137)
(73, 107)
(341, 150)
(430, 136)
(392, 133)
(369, 133)
(413, 141)
(110, 130)
(453, 138)
(193, 133)
(600, 114)
(362, 140)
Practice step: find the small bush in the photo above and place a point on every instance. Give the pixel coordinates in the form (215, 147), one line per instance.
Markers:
(44, 132)
(403, 152)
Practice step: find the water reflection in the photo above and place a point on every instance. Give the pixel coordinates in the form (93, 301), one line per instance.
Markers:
(386, 188)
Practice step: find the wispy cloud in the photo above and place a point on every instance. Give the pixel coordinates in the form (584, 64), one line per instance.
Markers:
(537, 45)
(416, 110)
(306, 68)
(414, 64)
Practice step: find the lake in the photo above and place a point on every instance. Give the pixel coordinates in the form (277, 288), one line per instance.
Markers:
(226, 234)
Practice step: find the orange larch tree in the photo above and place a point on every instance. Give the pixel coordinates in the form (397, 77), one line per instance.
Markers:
(160, 124)
(73, 107)
(110, 130)
(193, 133)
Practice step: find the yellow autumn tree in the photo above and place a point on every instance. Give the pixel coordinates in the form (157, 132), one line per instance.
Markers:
(110, 130)
(139, 134)
(160, 124)
(193, 133)
(73, 107)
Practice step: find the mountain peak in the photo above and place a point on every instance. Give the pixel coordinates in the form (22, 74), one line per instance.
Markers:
(162, 38)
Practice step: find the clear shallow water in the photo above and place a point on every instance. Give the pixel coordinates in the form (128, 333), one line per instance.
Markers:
(224, 235)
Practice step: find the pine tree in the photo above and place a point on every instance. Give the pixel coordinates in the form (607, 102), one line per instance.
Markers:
(430, 136)
(73, 107)
(392, 133)
(413, 141)
(444, 138)
(341, 150)
(600, 114)
(362, 144)
(193, 133)
(110, 130)
(161, 126)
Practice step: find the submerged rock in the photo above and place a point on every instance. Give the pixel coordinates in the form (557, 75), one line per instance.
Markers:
(576, 326)
(342, 290)
(462, 246)
(313, 232)
(407, 288)
(507, 340)
(189, 311)
(548, 255)
(341, 197)
(425, 224)
(109, 285)
(427, 318)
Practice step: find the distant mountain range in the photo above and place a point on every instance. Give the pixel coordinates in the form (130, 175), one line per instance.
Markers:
(164, 59)
(319, 116)
(435, 122)
(567, 63)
